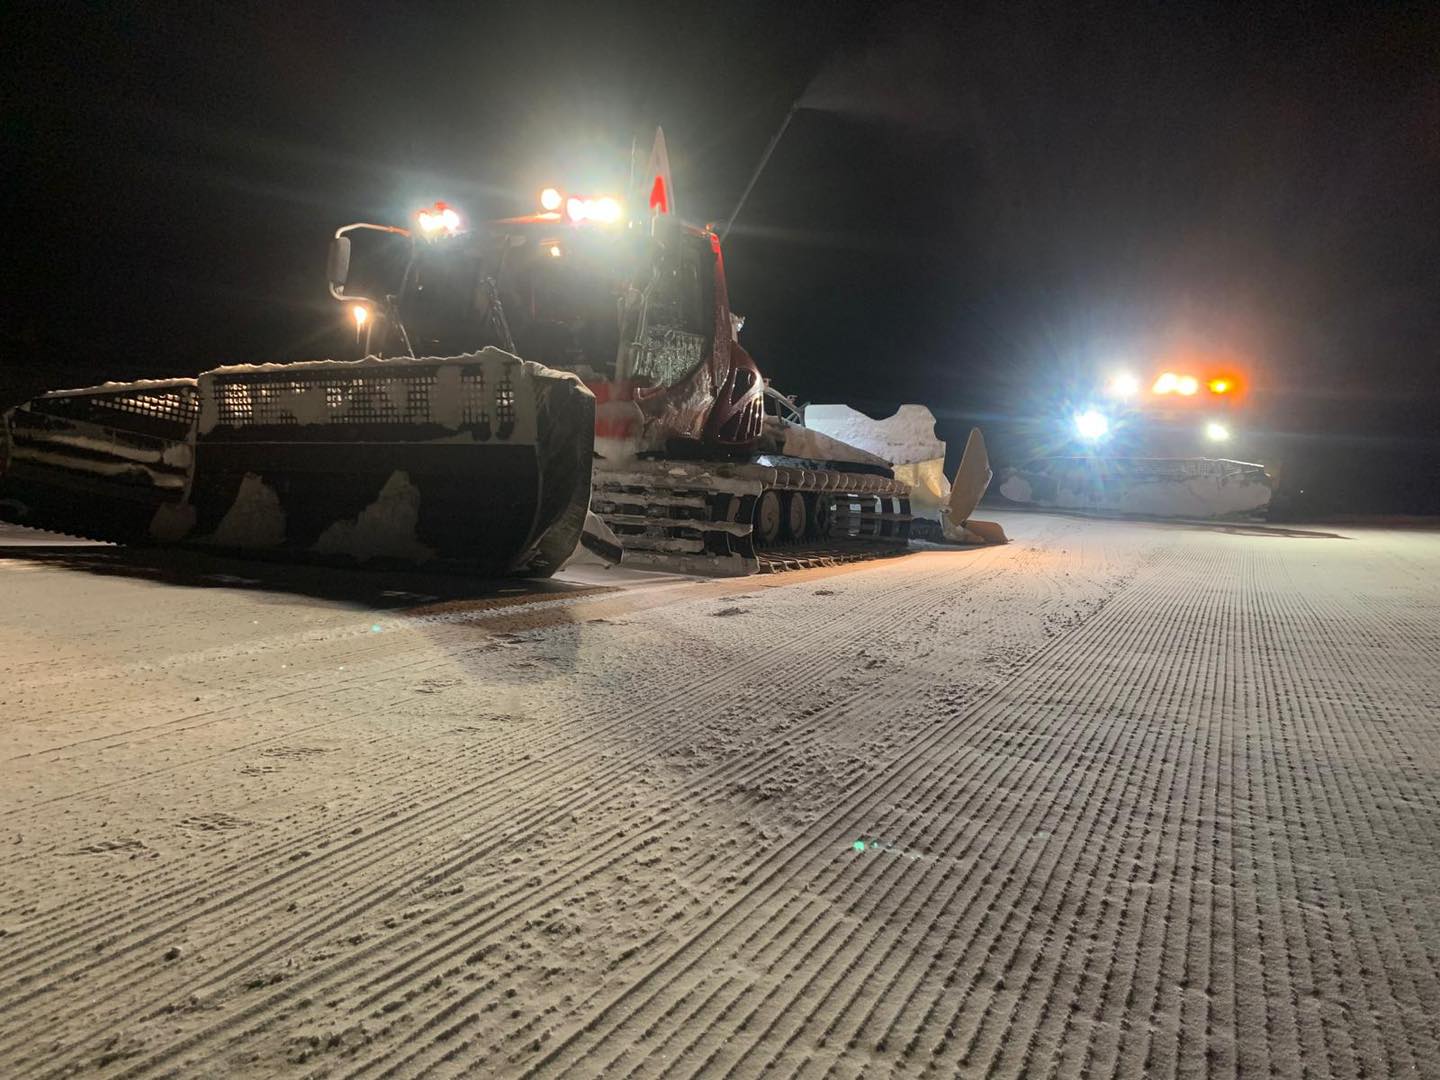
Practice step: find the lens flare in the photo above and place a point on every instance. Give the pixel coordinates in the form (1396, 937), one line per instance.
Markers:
(550, 199)
(437, 219)
(1216, 432)
(606, 210)
(1091, 425)
(1123, 385)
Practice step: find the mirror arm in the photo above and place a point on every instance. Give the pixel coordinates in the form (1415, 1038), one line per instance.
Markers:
(340, 294)
(364, 225)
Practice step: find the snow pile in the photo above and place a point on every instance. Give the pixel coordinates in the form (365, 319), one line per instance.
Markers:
(903, 439)
(906, 440)
(816, 445)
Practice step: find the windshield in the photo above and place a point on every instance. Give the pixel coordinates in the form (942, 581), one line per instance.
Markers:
(561, 296)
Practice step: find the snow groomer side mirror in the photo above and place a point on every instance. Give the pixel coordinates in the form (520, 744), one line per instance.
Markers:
(337, 267)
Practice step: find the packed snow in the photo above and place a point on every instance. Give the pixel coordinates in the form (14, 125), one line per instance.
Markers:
(1118, 799)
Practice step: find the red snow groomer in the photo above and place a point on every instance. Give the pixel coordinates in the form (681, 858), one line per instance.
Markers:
(515, 373)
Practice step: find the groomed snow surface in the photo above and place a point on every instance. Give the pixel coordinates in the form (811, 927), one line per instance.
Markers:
(1115, 800)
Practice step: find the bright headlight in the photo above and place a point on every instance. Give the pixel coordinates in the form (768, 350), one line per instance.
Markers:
(1123, 385)
(1091, 424)
(438, 219)
(1216, 432)
(606, 210)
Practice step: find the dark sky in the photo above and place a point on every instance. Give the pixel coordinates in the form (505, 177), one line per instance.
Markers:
(976, 201)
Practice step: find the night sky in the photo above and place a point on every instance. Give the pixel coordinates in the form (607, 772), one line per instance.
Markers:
(974, 205)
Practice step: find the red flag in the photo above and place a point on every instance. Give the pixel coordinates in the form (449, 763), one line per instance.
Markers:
(661, 191)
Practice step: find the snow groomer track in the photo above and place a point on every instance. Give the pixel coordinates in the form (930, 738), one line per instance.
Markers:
(1114, 800)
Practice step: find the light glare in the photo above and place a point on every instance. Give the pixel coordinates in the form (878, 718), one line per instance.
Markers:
(605, 209)
(1123, 385)
(360, 313)
(1220, 386)
(1091, 424)
(1216, 432)
(436, 219)
(550, 199)
(1187, 385)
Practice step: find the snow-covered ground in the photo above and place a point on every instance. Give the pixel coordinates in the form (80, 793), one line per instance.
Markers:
(1117, 799)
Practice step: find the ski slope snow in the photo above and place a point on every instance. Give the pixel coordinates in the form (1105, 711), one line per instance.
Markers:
(1116, 799)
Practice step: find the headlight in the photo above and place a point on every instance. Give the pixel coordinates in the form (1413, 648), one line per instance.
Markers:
(1171, 383)
(1091, 425)
(437, 219)
(360, 313)
(1216, 432)
(550, 199)
(1122, 385)
(606, 210)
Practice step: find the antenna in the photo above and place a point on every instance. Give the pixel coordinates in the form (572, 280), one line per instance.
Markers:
(765, 157)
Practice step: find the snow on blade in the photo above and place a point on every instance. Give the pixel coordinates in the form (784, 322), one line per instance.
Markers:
(902, 439)
(906, 440)
(255, 519)
(384, 529)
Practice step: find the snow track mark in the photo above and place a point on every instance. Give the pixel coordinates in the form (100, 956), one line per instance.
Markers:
(1114, 800)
